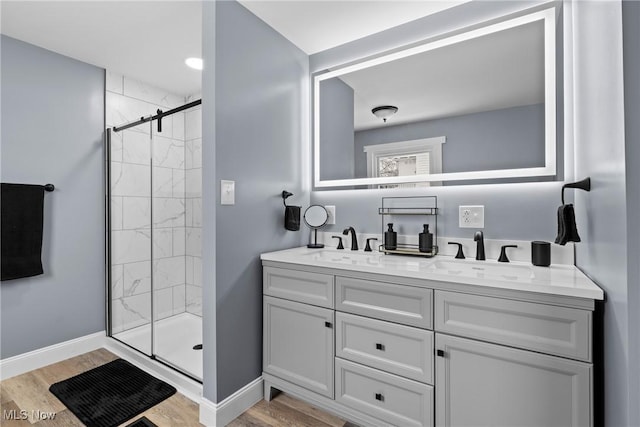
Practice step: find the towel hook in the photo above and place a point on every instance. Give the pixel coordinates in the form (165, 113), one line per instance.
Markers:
(285, 194)
(585, 185)
(49, 187)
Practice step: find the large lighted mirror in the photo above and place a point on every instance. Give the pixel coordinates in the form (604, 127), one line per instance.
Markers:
(473, 106)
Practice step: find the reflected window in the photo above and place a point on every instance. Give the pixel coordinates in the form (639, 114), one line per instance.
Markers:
(405, 158)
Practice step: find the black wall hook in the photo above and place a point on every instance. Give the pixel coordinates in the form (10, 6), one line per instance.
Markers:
(49, 187)
(585, 185)
(285, 194)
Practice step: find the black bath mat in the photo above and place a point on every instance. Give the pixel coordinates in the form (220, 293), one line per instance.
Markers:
(111, 394)
(142, 422)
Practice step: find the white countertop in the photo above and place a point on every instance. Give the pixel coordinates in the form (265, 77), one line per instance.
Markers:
(562, 280)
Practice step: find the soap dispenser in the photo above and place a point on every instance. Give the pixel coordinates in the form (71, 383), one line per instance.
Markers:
(425, 240)
(390, 238)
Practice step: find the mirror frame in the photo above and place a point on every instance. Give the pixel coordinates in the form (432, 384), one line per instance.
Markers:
(315, 227)
(549, 169)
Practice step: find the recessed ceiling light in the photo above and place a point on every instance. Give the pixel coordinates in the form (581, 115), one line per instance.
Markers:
(195, 63)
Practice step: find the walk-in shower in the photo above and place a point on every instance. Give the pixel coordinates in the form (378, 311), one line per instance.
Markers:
(154, 248)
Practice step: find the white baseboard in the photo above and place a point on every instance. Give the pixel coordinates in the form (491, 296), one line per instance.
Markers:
(36, 359)
(220, 414)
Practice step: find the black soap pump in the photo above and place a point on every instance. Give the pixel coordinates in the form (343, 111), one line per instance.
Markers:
(425, 240)
(390, 238)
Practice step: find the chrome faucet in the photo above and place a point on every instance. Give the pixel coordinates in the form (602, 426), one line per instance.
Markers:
(354, 240)
(479, 239)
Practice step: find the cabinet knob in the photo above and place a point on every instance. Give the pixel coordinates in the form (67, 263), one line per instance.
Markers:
(328, 324)
(379, 346)
(440, 353)
(380, 397)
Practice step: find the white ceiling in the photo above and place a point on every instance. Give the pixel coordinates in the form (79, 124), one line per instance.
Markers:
(149, 40)
(146, 40)
(317, 25)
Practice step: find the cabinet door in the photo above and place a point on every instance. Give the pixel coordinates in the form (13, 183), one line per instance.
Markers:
(483, 384)
(298, 344)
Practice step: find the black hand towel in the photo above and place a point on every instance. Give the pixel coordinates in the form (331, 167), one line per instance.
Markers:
(292, 218)
(567, 229)
(21, 212)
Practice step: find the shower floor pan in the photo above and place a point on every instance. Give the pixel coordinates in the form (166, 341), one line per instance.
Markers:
(175, 338)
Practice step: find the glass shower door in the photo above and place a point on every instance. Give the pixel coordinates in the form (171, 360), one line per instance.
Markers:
(130, 180)
(155, 220)
(176, 207)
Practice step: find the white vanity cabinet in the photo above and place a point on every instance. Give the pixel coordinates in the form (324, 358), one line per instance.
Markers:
(384, 350)
(298, 338)
(378, 353)
(522, 381)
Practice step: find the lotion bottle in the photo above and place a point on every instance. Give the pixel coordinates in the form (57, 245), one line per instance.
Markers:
(425, 240)
(390, 238)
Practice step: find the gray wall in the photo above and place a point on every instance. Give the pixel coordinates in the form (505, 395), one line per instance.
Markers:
(336, 130)
(631, 34)
(261, 114)
(52, 125)
(524, 211)
(499, 139)
(601, 214)
(209, 203)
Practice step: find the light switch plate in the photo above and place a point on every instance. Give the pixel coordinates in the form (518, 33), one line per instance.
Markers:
(227, 192)
(471, 216)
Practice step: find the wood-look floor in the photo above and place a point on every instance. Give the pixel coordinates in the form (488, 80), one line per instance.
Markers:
(30, 392)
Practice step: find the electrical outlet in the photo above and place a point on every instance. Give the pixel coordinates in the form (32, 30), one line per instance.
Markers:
(331, 211)
(471, 216)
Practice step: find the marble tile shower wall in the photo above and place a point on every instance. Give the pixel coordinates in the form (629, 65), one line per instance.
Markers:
(193, 169)
(132, 257)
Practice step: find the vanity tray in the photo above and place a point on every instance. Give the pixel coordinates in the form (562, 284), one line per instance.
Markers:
(405, 250)
(426, 206)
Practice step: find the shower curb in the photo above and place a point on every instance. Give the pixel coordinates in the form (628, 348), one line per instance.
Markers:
(186, 386)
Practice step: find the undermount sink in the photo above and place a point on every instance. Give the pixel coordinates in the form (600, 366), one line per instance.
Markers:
(344, 256)
(437, 265)
(483, 269)
(368, 259)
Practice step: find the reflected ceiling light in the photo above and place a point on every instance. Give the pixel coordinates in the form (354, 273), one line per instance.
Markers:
(384, 111)
(195, 63)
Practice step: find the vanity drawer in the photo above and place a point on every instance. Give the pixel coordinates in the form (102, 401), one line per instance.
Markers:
(549, 329)
(399, 349)
(396, 303)
(301, 286)
(390, 398)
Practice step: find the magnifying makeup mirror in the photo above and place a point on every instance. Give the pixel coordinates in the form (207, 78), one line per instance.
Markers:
(315, 217)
